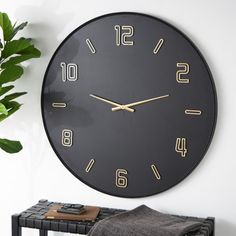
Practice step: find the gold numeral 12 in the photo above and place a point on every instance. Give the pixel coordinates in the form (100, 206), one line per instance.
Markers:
(122, 33)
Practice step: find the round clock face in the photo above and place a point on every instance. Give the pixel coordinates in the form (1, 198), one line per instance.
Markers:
(129, 104)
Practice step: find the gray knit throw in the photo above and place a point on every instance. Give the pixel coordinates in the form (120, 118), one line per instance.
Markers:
(144, 221)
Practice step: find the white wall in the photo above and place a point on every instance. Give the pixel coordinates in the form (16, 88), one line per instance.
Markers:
(37, 173)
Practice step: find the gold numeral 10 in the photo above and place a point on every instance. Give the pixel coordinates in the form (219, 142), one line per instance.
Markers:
(121, 179)
(122, 33)
(183, 71)
(69, 72)
(181, 146)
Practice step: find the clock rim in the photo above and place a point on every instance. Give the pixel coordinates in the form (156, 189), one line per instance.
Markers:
(210, 77)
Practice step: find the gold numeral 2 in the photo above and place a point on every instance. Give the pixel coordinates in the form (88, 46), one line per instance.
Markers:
(121, 179)
(184, 71)
(181, 146)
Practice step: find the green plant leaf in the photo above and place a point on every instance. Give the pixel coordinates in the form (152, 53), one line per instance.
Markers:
(12, 53)
(29, 39)
(6, 25)
(31, 50)
(3, 109)
(10, 74)
(12, 96)
(4, 90)
(29, 53)
(12, 107)
(18, 28)
(15, 47)
(10, 146)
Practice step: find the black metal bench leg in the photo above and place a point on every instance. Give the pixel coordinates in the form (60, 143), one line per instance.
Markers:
(15, 228)
(213, 223)
(43, 232)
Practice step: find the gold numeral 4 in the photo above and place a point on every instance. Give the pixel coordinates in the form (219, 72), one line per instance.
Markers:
(183, 71)
(181, 146)
(121, 179)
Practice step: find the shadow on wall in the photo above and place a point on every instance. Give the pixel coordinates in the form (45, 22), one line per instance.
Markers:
(225, 228)
(50, 23)
(46, 23)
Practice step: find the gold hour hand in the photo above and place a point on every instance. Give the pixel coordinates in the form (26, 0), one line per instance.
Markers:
(139, 102)
(117, 105)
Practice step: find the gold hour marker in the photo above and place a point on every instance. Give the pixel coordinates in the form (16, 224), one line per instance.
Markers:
(90, 45)
(59, 104)
(156, 172)
(90, 165)
(193, 112)
(158, 46)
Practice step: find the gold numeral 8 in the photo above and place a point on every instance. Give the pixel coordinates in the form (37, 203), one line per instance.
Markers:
(67, 138)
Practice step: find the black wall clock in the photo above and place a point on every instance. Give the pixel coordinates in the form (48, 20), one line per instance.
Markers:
(129, 104)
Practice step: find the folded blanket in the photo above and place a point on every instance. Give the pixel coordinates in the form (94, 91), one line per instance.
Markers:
(143, 221)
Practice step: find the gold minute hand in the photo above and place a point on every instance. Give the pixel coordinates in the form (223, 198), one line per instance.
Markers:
(139, 103)
(121, 107)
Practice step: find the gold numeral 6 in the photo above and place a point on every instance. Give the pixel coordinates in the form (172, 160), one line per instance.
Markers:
(121, 179)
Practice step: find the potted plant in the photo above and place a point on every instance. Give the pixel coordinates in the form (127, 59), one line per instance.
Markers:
(12, 53)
